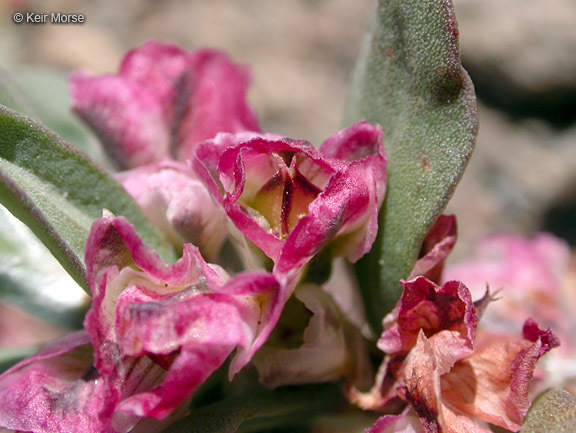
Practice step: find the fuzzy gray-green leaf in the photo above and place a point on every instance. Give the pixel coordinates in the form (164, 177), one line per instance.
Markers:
(409, 80)
(553, 412)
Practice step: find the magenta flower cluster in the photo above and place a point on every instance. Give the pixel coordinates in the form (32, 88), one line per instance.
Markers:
(221, 191)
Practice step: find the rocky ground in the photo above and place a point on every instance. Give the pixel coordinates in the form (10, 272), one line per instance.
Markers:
(521, 55)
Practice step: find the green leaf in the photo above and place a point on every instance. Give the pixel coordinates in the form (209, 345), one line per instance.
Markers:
(33, 280)
(256, 412)
(409, 80)
(552, 412)
(58, 192)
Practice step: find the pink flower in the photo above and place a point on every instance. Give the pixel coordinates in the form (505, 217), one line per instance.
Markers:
(188, 317)
(163, 102)
(454, 377)
(291, 200)
(58, 390)
(527, 275)
(157, 332)
(178, 204)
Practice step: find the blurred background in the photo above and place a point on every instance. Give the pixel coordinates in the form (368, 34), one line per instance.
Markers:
(521, 55)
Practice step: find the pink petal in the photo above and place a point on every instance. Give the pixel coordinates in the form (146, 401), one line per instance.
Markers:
(53, 391)
(178, 204)
(218, 103)
(129, 121)
(252, 163)
(426, 307)
(436, 247)
(354, 143)
(188, 317)
(406, 422)
(291, 200)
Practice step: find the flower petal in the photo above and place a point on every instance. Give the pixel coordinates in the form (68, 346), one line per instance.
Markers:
(435, 249)
(493, 383)
(129, 121)
(323, 357)
(218, 103)
(52, 391)
(527, 275)
(406, 422)
(177, 203)
(421, 375)
(187, 317)
(445, 312)
(291, 200)
(533, 278)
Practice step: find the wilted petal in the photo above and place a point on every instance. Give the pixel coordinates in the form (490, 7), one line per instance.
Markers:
(324, 355)
(163, 102)
(444, 318)
(532, 278)
(406, 422)
(489, 386)
(178, 204)
(187, 317)
(420, 379)
(455, 378)
(493, 383)
(435, 249)
(444, 313)
(457, 422)
(422, 374)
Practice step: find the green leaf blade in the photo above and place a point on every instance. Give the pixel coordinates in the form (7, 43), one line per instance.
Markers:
(410, 81)
(57, 192)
